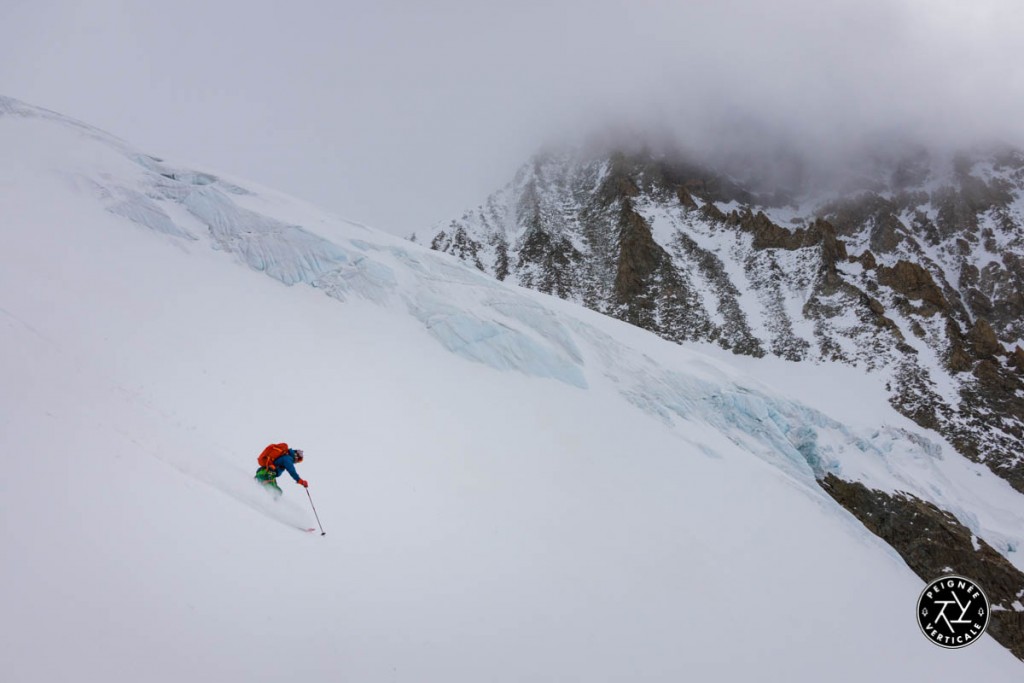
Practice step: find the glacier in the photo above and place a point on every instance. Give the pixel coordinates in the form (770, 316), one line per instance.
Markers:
(511, 329)
(513, 487)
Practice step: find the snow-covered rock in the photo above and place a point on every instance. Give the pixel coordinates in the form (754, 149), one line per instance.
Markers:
(914, 273)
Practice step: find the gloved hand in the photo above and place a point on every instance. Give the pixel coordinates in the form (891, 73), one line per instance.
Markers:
(303, 482)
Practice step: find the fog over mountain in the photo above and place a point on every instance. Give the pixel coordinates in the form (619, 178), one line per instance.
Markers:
(356, 105)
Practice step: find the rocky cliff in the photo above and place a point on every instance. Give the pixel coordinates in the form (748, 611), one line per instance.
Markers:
(917, 275)
(914, 272)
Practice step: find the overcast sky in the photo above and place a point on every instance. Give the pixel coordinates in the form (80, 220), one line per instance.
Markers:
(400, 114)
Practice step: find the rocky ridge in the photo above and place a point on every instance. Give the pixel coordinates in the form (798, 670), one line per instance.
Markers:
(919, 277)
(916, 275)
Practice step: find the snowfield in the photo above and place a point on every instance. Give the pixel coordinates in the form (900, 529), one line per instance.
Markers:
(513, 488)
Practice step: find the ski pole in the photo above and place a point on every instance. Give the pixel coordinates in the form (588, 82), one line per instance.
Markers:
(322, 532)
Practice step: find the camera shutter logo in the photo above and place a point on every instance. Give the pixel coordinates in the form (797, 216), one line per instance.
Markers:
(953, 611)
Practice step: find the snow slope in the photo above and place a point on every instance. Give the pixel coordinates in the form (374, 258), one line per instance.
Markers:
(513, 488)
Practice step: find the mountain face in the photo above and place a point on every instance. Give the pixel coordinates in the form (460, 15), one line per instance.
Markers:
(915, 274)
(515, 487)
(918, 276)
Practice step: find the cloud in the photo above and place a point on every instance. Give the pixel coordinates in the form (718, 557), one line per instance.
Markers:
(404, 113)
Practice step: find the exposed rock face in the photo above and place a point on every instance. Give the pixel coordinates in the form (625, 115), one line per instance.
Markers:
(983, 340)
(918, 278)
(460, 244)
(934, 298)
(915, 283)
(1017, 359)
(640, 263)
(934, 543)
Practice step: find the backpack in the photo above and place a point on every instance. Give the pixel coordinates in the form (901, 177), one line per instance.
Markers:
(270, 454)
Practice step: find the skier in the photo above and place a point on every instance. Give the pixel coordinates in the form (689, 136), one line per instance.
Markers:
(273, 461)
